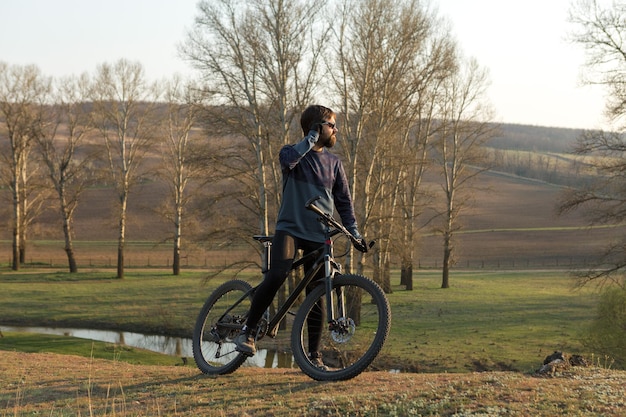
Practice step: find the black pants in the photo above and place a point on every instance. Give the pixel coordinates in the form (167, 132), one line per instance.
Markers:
(283, 252)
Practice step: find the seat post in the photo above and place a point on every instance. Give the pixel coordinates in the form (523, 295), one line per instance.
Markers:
(266, 241)
(267, 245)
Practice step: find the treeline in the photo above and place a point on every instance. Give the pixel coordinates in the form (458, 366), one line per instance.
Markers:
(535, 138)
(566, 170)
(408, 103)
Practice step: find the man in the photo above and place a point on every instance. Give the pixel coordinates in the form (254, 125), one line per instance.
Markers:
(309, 170)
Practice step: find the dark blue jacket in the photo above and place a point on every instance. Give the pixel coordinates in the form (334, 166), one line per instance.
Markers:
(307, 174)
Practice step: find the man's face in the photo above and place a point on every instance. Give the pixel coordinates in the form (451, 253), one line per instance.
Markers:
(328, 136)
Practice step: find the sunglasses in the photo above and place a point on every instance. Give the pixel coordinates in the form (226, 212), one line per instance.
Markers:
(329, 124)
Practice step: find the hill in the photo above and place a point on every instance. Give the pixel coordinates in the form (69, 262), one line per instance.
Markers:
(55, 385)
(512, 222)
(535, 138)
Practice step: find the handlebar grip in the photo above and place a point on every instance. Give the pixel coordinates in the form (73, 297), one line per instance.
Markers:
(363, 246)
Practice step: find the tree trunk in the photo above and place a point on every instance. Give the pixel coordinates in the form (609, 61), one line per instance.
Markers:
(121, 240)
(377, 270)
(176, 260)
(120, 260)
(16, 251)
(17, 218)
(22, 252)
(386, 278)
(177, 239)
(406, 275)
(69, 249)
(447, 254)
(67, 233)
(354, 299)
(22, 243)
(71, 260)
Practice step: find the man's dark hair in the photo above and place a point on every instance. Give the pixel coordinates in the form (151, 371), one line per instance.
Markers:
(314, 114)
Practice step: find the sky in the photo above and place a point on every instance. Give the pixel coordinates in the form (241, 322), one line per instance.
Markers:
(534, 71)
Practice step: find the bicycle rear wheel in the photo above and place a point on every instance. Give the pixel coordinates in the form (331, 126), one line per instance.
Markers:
(353, 340)
(219, 322)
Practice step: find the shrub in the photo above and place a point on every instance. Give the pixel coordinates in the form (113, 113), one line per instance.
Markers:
(607, 335)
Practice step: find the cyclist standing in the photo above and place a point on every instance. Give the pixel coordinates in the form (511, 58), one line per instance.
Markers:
(308, 170)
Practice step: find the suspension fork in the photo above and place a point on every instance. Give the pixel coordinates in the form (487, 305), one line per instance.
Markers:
(329, 274)
(330, 270)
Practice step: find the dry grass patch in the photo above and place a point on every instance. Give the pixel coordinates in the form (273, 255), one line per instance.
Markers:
(56, 385)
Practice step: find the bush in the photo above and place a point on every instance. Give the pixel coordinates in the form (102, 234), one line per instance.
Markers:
(607, 335)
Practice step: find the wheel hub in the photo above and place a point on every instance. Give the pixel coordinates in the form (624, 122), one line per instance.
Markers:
(342, 330)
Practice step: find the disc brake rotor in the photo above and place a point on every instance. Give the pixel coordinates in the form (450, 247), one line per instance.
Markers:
(343, 330)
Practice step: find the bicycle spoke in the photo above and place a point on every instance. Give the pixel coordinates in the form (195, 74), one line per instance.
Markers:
(349, 343)
(219, 322)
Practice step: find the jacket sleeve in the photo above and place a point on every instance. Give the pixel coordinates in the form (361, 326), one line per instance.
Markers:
(290, 156)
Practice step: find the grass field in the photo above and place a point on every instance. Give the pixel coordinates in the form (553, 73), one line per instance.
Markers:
(485, 321)
(500, 323)
(511, 303)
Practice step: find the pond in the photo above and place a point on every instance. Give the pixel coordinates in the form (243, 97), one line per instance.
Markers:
(174, 346)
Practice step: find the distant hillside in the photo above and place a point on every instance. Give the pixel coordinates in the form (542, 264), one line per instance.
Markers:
(535, 138)
(511, 223)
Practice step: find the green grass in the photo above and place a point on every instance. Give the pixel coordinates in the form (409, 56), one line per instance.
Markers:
(149, 302)
(489, 320)
(485, 321)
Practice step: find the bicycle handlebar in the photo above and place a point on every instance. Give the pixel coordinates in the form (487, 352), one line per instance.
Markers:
(330, 221)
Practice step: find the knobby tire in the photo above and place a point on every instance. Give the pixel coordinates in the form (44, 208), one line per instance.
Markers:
(213, 347)
(349, 353)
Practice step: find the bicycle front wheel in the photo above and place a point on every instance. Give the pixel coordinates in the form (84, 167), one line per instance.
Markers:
(219, 322)
(349, 343)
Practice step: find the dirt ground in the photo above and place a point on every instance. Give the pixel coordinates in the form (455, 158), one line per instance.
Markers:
(57, 385)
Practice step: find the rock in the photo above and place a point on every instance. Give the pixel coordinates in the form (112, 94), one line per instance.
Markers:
(577, 360)
(560, 362)
(555, 356)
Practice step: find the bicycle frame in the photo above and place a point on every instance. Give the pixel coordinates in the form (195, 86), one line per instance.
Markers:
(325, 258)
(350, 340)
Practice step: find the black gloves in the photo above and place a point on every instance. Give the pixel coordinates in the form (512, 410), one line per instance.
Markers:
(314, 134)
(316, 127)
(358, 241)
(360, 245)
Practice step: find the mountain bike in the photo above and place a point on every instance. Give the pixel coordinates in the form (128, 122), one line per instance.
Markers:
(355, 309)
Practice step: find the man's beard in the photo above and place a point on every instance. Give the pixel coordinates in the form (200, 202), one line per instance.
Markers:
(330, 141)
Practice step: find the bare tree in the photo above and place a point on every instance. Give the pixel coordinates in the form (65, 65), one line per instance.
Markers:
(23, 94)
(35, 192)
(183, 100)
(257, 59)
(436, 61)
(60, 149)
(602, 32)
(465, 127)
(124, 113)
(391, 55)
(603, 200)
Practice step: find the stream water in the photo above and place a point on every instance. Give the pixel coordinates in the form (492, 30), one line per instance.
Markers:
(174, 346)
